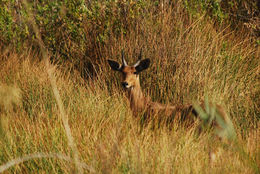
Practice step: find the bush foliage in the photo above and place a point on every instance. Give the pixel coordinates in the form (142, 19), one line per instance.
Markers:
(78, 31)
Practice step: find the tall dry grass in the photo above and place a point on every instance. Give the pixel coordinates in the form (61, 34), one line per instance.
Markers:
(107, 137)
(190, 59)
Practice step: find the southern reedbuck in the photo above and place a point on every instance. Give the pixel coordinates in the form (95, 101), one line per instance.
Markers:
(143, 106)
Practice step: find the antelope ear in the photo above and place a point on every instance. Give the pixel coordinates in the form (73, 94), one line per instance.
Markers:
(142, 65)
(114, 65)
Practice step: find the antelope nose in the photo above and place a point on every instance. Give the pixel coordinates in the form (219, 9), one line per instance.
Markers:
(124, 84)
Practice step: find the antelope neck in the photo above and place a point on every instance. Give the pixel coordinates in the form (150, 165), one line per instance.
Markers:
(137, 100)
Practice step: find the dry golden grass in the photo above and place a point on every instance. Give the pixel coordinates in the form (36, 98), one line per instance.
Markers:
(191, 59)
(108, 139)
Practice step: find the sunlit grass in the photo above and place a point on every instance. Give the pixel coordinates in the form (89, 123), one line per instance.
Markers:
(188, 63)
(107, 136)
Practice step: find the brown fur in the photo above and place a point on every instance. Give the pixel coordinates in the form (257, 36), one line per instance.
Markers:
(141, 105)
(154, 111)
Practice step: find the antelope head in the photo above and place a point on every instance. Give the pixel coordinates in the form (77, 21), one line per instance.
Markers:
(130, 74)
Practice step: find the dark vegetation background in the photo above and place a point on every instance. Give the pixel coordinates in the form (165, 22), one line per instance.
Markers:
(84, 32)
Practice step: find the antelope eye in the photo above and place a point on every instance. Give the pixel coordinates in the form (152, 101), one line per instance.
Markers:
(124, 74)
